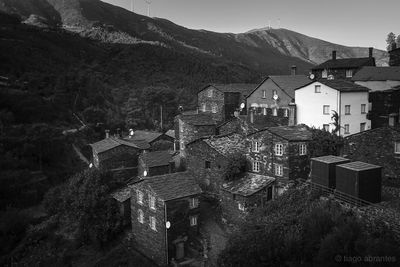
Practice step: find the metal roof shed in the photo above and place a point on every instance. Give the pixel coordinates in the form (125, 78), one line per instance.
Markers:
(323, 170)
(360, 179)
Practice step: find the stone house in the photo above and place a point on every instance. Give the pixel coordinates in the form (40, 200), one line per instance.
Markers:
(150, 137)
(379, 146)
(123, 198)
(191, 127)
(156, 163)
(164, 216)
(274, 94)
(280, 152)
(378, 78)
(319, 100)
(383, 103)
(344, 68)
(394, 56)
(209, 157)
(247, 191)
(117, 153)
(222, 100)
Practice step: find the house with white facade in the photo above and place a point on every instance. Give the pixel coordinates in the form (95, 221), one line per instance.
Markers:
(319, 100)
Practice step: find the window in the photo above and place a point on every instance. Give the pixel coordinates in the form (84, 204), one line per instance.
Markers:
(214, 109)
(203, 107)
(194, 203)
(326, 109)
(153, 223)
(207, 164)
(152, 202)
(347, 109)
(241, 207)
(182, 145)
(275, 112)
(210, 93)
(256, 146)
(349, 73)
(139, 195)
(363, 108)
(302, 149)
(286, 112)
(326, 127)
(265, 111)
(397, 147)
(140, 216)
(278, 170)
(256, 166)
(193, 220)
(362, 127)
(264, 94)
(274, 92)
(278, 149)
(324, 74)
(318, 88)
(346, 128)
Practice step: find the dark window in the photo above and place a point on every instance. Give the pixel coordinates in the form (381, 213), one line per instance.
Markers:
(208, 164)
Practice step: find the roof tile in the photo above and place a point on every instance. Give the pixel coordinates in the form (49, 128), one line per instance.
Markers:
(249, 184)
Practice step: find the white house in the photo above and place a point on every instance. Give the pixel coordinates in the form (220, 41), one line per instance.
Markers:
(378, 78)
(317, 101)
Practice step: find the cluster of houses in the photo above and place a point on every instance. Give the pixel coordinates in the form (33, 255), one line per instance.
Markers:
(260, 130)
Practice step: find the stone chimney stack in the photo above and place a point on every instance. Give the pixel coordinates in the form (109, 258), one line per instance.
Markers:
(294, 70)
(393, 119)
(371, 51)
(292, 114)
(334, 54)
(107, 133)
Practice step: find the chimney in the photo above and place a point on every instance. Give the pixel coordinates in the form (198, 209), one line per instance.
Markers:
(292, 114)
(294, 70)
(251, 115)
(107, 133)
(131, 133)
(371, 51)
(334, 54)
(392, 119)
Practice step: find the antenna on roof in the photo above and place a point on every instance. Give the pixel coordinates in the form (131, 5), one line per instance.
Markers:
(148, 2)
(132, 5)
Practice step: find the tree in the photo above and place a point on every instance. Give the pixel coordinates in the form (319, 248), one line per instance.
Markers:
(324, 143)
(236, 165)
(398, 41)
(390, 40)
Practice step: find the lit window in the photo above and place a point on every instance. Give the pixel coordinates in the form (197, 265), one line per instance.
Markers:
(214, 109)
(256, 166)
(140, 216)
(193, 220)
(324, 74)
(207, 164)
(363, 108)
(362, 127)
(346, 128)
(278, 149)
(210, 93)
(286, 112)
(152, 202)
(153, 223)
(275, 112)
(349, 73)
(326, 109)
(318, 88)
(347, 109)
(256, 146)
(397, 147)
(139, 195)
(264, 94)
(278, 170)
(194, 203)
(303, 149)
(241, 207)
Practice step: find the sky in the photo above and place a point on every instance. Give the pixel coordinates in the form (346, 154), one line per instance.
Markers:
(347, 22)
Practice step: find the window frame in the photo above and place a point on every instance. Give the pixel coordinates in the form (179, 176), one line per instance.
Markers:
(204, 107)
(324, 74)
(319, 88)
(349, 73)
(347, 128)
(347, 109)
(256, 146)
(286, 112)
(207, 164)
(210, 93)
(152, 201)
(278, 147)
(152, 223)
(264, 94)
(140, 216)
(214, 109)
(302, 149)
(363, 108)
(363, 126)
(256, 166)
(274, 112)
(139, 197)
(241, 206)
(193, 220)
(193, 203)
(278, 169)
(326, 128)
(397, 147)
(327, 107)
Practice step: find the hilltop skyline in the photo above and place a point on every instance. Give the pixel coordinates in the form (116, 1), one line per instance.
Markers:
(356, 23)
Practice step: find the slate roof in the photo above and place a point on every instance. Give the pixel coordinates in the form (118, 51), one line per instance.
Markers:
(288, 83)
(359, 166)
(344, 86)
(291, 133)
(330, 159)
(226, 145)
(378, 74)
(242, 88)
(122, 194)
(112, 142)
(157, 158)
(249, 184)
(145, 136)
(346, 63)
(198, 119)
(172, 185)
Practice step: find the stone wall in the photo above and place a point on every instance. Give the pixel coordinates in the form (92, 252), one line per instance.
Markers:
(121, 156)
(189, 132)
(216, 100)
(149, 242)
(375, 146)
(394, 57)
(383, 104)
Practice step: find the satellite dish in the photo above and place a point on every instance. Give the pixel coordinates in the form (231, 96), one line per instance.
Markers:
(242, 106)
(331, 77)
(145, 173)
(312, 76)
(168, 225)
